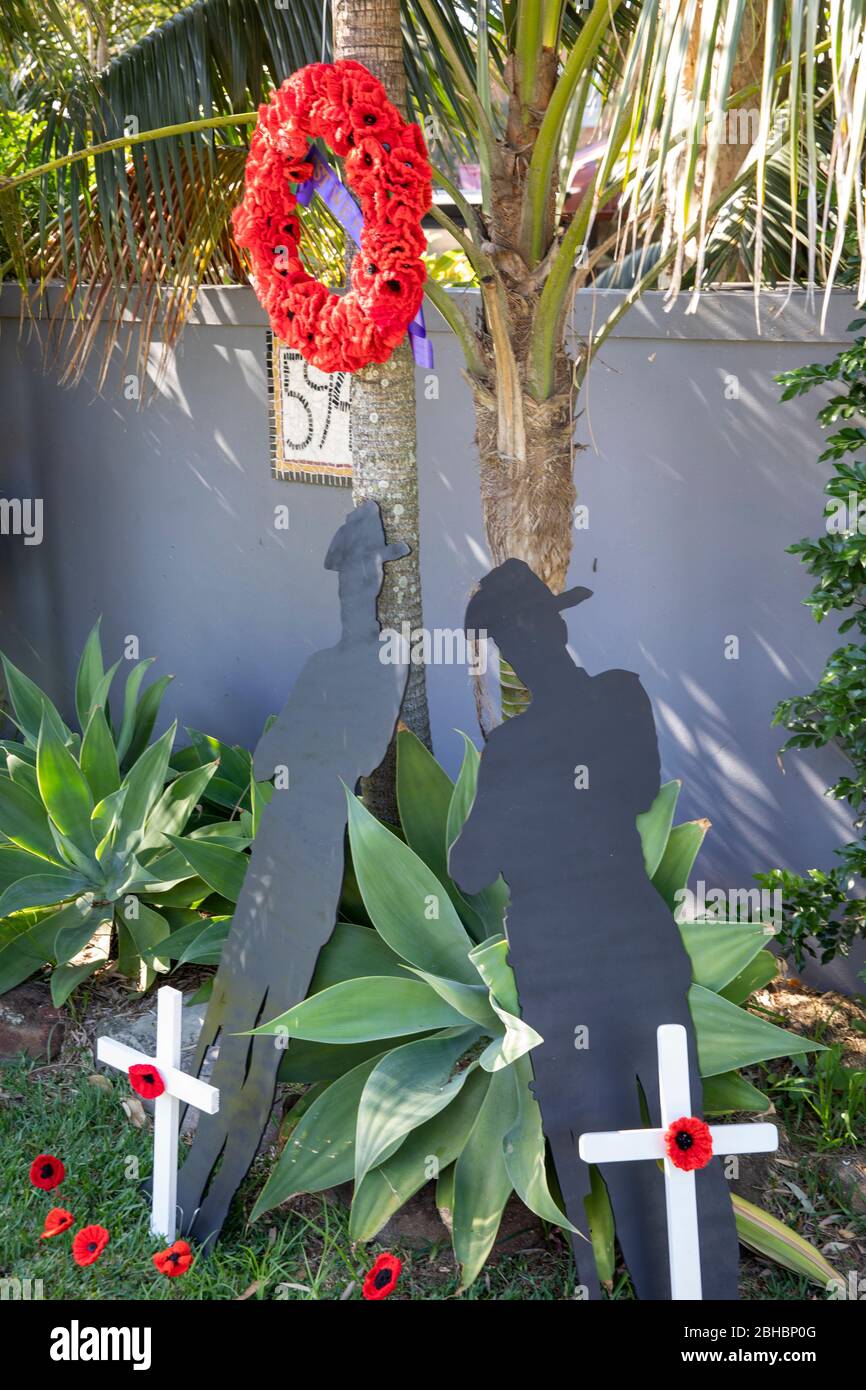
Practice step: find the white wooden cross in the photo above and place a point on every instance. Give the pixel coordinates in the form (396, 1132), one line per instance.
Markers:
(166, 1107)
(627, 1145)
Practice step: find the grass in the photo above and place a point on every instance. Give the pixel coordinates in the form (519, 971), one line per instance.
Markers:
(297, 1253)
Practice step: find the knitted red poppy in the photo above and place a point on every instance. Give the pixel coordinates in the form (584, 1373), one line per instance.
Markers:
(146, 1080)
(56, 1222)
(386, 168)
(175, 1260)
(689, 1143)
(381, 1280)
(88, 1244)
(46, 1172)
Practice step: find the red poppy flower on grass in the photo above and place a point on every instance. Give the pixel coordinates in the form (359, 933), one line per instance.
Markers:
(88, 1244)
(56, 1222)
(46, 1172)
(381, 1280)
(146, 1080)
(176, 1260)
(688, 1143)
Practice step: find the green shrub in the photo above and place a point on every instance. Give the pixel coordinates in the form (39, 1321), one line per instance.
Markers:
(821, 915)
(92, 833)
(412, 1040)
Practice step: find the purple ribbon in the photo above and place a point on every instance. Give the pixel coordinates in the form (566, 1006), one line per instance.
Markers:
(339, 200)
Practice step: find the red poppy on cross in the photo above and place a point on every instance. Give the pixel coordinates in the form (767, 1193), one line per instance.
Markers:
(683, 1143)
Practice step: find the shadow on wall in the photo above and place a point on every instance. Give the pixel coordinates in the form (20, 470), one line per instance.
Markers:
(694, 476)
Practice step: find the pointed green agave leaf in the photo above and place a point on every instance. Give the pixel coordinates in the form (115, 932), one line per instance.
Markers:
(30, 706)
(90, 673)
(730, 1093)
(365, 1009)
(408, 905)
(407, 1087)
(654, 825)
(143, 785)
(771, 1238)
(23, 820)
(720, 950)
(224, 869)
(488, 906)
(763, 968)
(423, 1154)
(472, 1001)
(130, 704)
(490, 959)
(320, 1151)
(63, 788)
(33, 946)
(681, 851)
(515, 1042)
(482, 1183)
(423, 796)
(524, 1150)
(353, 951)
(66, 978)
(42, 890)
(176, 805)
(99, 756)
(729, 1037)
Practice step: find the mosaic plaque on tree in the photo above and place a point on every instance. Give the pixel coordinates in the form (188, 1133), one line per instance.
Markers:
(311, 419)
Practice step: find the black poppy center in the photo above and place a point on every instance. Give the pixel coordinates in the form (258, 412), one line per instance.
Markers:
(369, 119)
(48, 1170)
(174, 1258)
(372, 269)
(148, 1078)
(386, 147)
(684, 1140)
(368, 159)
(92, 1246)
(383, 1278)
(394, 285)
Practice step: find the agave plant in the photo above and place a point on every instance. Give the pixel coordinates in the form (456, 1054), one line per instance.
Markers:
(92, 824)
(420, 1062)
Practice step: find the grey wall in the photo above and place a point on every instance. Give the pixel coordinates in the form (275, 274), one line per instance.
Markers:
(162, 520)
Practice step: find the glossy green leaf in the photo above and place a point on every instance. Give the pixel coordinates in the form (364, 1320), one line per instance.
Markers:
(423, 796)
(408, 905)
(175, 806)
(64, 789)
(23, 820)
(407, 1087)
(30, 705)
(729, 1037)
(143, 785)
(224, 869)
(89, 676)
(33, 946)
(42, 890)
(17, 863)
(365, 1009)
(681, 851)
(488, 907)
(99, 757)
(130, 703)
(654, 825)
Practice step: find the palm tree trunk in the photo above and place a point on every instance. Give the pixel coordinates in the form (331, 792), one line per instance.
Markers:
(384, 445)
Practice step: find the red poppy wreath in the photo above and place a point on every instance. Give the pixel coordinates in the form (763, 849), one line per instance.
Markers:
(385, 167)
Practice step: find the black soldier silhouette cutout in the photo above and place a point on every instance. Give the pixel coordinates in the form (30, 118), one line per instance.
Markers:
(335, 728)
(592, 944)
